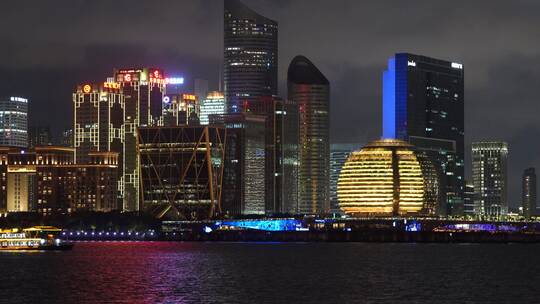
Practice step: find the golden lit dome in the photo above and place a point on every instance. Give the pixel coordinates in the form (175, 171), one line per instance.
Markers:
(382, 179)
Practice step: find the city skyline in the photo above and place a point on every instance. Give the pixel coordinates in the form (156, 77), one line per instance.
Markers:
(492, 76)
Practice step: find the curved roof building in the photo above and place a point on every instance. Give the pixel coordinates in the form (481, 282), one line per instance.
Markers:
(250, 55)
(385, 178)
(309, 96)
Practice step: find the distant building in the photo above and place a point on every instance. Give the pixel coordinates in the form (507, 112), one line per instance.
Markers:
(181, 171)
(250, 55)
(14, 122)
(46, 180)
(66, 140)
(469, 200)
(423, 103)
(309, 89)
(244, 182)
(528, 198)
(39, 136)
(212, 104)
(489, 160)
(338, 155)
(180, 110)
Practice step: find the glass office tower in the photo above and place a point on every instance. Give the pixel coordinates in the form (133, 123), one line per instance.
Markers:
(14, 122)
(309, 89)
(250, 55)
(271, 108)
(244, 167)
(489, 160)
(423, 103)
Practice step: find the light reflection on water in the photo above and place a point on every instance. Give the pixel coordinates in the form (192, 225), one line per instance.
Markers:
(161, 272)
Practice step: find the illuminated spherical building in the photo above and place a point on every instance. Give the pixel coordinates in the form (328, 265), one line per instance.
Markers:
(385, 178)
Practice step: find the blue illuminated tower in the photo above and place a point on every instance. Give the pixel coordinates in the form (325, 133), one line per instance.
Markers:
(423, 104)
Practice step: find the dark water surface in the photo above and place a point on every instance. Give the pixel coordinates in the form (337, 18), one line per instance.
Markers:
(160, 272)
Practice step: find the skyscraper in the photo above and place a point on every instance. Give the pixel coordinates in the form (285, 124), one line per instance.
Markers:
(143, 90)
(271, 108)
(250, 55)
(244, 182)
(14, 122)
(489, 160)
(97, 119)
(423, 104)
(310, 91)
(528, 198)
(290, 156)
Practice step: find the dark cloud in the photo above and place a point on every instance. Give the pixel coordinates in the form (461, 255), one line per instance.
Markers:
(47, 47)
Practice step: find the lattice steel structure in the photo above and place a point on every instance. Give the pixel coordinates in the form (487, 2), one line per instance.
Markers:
(182, 170)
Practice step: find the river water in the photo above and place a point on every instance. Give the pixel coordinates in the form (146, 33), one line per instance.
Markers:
(168, 272)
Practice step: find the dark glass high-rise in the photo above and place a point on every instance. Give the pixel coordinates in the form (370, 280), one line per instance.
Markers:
(250, 55)
(309, 91)
(423, 103)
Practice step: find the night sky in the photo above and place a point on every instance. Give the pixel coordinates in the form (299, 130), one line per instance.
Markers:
(47, 47)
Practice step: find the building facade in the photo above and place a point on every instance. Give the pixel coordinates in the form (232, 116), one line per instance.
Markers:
(180, 110)
(250, 55)
(98, 115)
(528, 190)
(338, 155)
(46, 180)
(271, 108)
(66, 140)
(39, 136)
(309, 90)
(489, 161)
(469, 200)
(14, 122)
(181, 170)
(423, 103)
(143, 90)
(213, 104)
(244, 176)
(290, 156)
(385, 178)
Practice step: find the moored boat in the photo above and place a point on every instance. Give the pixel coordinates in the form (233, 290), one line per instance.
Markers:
(33, 238)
